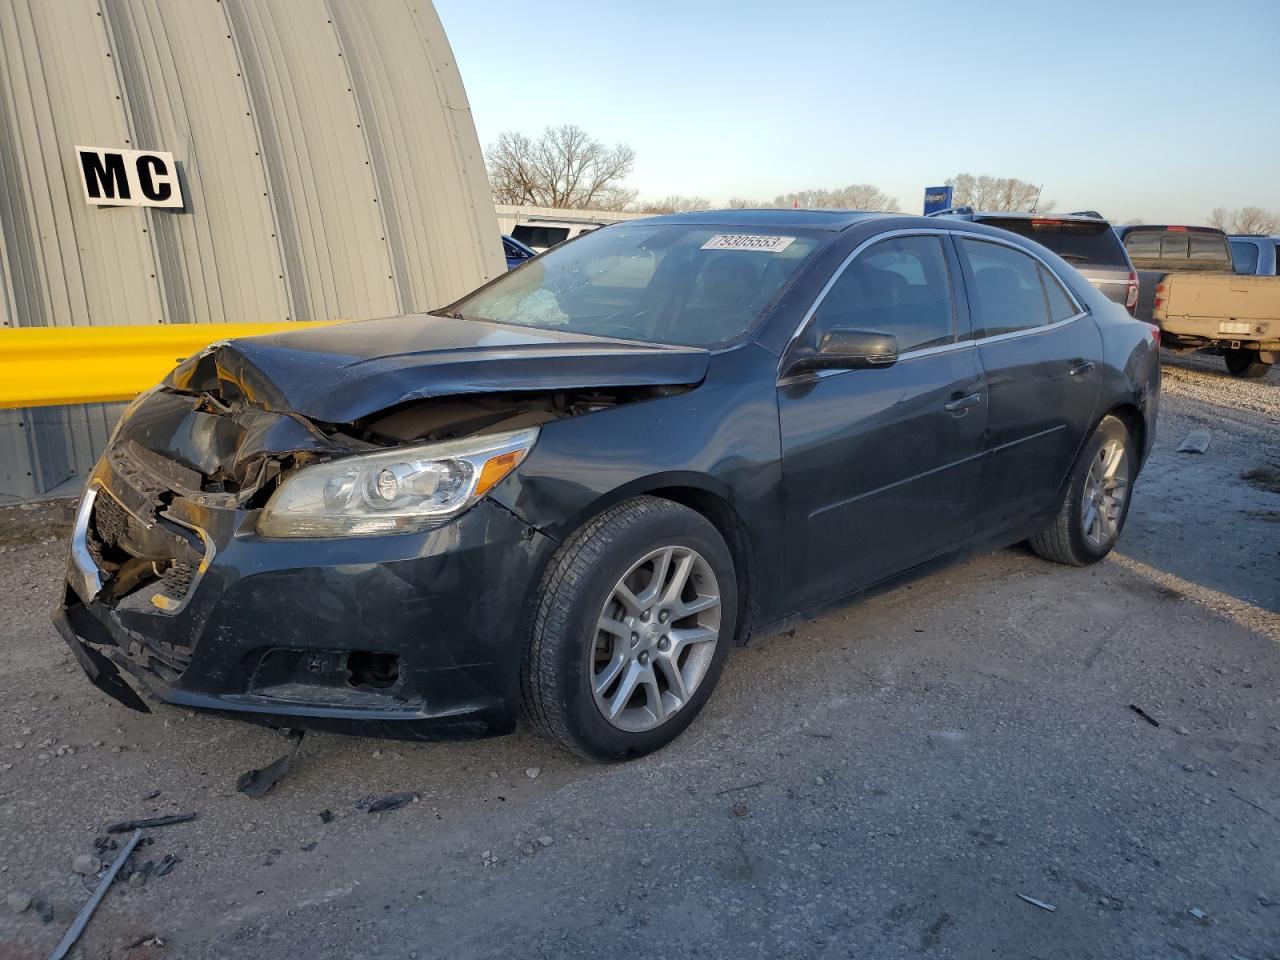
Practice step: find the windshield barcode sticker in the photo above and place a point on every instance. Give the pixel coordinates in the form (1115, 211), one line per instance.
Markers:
(748, 241)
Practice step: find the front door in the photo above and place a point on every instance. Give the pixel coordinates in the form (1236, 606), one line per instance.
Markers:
(1041, 354)
(881, 466)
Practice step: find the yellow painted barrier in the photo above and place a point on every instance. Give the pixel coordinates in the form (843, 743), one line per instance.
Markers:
(47, 366)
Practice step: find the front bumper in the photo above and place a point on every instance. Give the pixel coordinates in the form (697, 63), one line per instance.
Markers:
(278, 630)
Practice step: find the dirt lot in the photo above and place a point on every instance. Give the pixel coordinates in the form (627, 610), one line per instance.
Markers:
(885, 783)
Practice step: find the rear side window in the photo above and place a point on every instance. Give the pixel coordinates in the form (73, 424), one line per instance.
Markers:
(900, 286)
(1079, 242)
(1244, 256)
(1207, 246)
(535, 236)
(1143, 244)
(1061, 306)
(1010, 290)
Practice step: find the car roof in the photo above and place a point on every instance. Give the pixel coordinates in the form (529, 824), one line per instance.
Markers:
(774, 218)
(1253, 236)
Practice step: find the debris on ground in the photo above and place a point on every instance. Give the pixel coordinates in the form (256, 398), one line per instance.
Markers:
(532, 772)
(257, 783)
(326, 816)
(1037, 903)
(87, 865)
(392, 801)
(124, 826)
(18, 901)
(739, 809)
(43, 909)
(1144, 715)
(1197, 441)
(545, 841)
(86, 912)
(1197, 913)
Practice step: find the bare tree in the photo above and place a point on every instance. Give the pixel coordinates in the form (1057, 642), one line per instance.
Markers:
(741, 203)
(564, 167)
(1254, 220)
(675, 203)
(856, 196)
(986, 192)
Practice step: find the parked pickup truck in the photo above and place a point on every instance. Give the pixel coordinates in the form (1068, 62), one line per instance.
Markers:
(1188, 287)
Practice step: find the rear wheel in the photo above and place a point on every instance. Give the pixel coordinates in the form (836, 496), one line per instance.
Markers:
(1093, 512)
(635, 618)
(1245, 364)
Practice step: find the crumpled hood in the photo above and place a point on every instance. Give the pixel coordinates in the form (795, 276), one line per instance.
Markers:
(342, 373)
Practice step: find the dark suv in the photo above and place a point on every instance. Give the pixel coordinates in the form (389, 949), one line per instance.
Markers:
(1084, 240)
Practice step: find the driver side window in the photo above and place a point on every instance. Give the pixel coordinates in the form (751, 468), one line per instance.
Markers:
(900, 286)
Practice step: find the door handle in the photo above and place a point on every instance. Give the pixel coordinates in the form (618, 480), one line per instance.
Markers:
(961, 405)
(1080, 367)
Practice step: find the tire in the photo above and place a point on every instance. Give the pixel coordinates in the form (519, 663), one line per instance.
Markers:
(569, 655)
(1078, 534)
(1245, 364)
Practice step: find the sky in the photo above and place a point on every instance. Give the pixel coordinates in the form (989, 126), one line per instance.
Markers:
(1157, 110)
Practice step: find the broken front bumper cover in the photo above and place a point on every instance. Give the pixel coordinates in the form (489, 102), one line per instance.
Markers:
(277, 630)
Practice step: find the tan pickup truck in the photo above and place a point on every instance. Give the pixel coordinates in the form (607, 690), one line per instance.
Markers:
(1188, 288)
(1238, 315)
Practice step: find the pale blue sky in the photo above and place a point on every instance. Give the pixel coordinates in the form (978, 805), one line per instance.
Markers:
(1160, 109)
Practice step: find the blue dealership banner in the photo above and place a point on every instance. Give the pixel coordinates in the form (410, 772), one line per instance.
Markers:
(937, 198)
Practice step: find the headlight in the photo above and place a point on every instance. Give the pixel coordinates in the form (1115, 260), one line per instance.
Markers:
(398, 491)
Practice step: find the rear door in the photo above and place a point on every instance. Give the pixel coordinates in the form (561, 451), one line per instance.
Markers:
(881, 466)
(1041, 353)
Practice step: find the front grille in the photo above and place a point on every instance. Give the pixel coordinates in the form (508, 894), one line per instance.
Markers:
(162, 554)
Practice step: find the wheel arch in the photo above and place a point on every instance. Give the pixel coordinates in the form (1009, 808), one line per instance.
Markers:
(1128, 413)
(729, 523)
(709, 498)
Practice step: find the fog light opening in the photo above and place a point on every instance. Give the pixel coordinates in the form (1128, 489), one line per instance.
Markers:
(376, 670)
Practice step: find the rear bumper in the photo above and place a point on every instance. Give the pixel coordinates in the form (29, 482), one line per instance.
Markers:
(279, 631)
(1219, 332)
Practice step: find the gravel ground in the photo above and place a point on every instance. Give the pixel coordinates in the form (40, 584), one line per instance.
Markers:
(887, 782)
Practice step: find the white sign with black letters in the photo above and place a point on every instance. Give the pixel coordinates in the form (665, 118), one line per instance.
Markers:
(128, 178)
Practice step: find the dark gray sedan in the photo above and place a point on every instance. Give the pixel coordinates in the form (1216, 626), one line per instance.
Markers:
(568, 495)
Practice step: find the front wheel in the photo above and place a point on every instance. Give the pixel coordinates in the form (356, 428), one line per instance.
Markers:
(635, 618)
(1093, 512)
(1245, 364)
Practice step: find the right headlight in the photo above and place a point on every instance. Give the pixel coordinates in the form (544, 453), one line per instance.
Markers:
(393, 491)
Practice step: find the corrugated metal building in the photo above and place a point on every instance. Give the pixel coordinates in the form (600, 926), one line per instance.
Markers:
(324, 148)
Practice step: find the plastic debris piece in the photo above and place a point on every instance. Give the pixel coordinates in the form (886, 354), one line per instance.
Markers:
(392, 801)
(1037, 903)
(124, 826)
(1144, 715)
(1197, 441)
(257, 783)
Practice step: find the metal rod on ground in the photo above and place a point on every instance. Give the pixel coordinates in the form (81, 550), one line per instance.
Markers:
(82, 918)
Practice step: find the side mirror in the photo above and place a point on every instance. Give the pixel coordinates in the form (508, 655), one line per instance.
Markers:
(842, 348)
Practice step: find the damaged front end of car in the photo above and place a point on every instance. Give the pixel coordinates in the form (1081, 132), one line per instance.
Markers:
(231, 553)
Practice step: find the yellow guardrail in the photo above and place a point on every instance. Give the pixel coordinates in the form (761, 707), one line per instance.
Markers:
(47, 366)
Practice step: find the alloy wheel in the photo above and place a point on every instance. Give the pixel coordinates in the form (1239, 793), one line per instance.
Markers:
(655, 638)
(1106, 489)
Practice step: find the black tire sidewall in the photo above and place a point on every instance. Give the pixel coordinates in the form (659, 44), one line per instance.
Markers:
(1110, 427)
(628, 543)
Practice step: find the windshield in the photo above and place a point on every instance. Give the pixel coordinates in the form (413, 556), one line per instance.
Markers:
(693, 285)
(1075, 241)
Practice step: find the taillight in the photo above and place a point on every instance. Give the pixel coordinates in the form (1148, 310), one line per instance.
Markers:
(1155, 333)
(1131, 298)
(1159, 298)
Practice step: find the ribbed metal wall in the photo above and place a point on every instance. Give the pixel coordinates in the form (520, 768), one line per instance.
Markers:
(326, 152)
